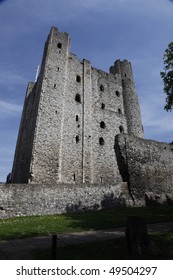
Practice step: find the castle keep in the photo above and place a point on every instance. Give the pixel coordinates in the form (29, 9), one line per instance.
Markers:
(80, 144)
(71, 116)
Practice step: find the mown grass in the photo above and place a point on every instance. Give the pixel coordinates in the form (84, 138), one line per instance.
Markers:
(114, 249)
(111, 218)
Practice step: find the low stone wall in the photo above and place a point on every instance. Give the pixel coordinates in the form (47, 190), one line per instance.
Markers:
(40, 199)
(146, 165)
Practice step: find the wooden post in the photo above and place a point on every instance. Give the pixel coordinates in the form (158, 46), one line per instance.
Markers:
(54, 246)
(138, 244)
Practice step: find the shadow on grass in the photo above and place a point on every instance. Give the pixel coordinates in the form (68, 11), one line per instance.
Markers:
(114, 249)
(116, 217)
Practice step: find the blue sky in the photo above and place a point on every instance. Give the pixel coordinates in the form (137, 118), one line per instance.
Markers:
(101, 31)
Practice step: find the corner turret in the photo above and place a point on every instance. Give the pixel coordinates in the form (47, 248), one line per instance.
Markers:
(131, 104)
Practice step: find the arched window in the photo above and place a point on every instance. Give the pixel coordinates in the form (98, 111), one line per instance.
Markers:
(103, 106)
(117, 93)
(77, 139)
(78, 98)
(121, 129)
(101, 88)
(101, 141)
(119, 111)
(78, 78)
(59, 45)
(102, 124)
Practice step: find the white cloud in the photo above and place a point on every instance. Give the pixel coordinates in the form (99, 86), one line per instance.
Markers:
(9, 77)
(9, 108)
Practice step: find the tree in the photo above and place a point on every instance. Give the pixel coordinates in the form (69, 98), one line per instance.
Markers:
(167, 76)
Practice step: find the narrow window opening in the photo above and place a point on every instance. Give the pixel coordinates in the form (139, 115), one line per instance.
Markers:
(117, 93)
(58, 69)
(121, 129)
(77, 118)
(125, 75)
(54, 86)
(119, 111)
(59, 46)
(77, 139)
(102, 124)
(56, 112)
(101, 88)
(103, 106)
(78, 78)
(74, 177)
(101, 141)
(101, 179)
(78, 98)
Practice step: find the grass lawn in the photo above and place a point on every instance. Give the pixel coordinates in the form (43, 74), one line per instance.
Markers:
(109, 218)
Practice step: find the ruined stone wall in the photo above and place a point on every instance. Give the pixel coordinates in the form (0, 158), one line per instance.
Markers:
(146, 165)
(42, 199)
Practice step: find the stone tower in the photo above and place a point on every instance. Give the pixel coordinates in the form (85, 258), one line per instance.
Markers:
(71, 116)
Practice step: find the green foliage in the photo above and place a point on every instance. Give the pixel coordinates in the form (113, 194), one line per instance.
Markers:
(167, 76)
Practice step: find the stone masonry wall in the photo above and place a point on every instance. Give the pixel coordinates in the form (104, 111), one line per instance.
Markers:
(30, 199)
(71, 117)
(67, 137)
(107, 115)
(146, 165)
